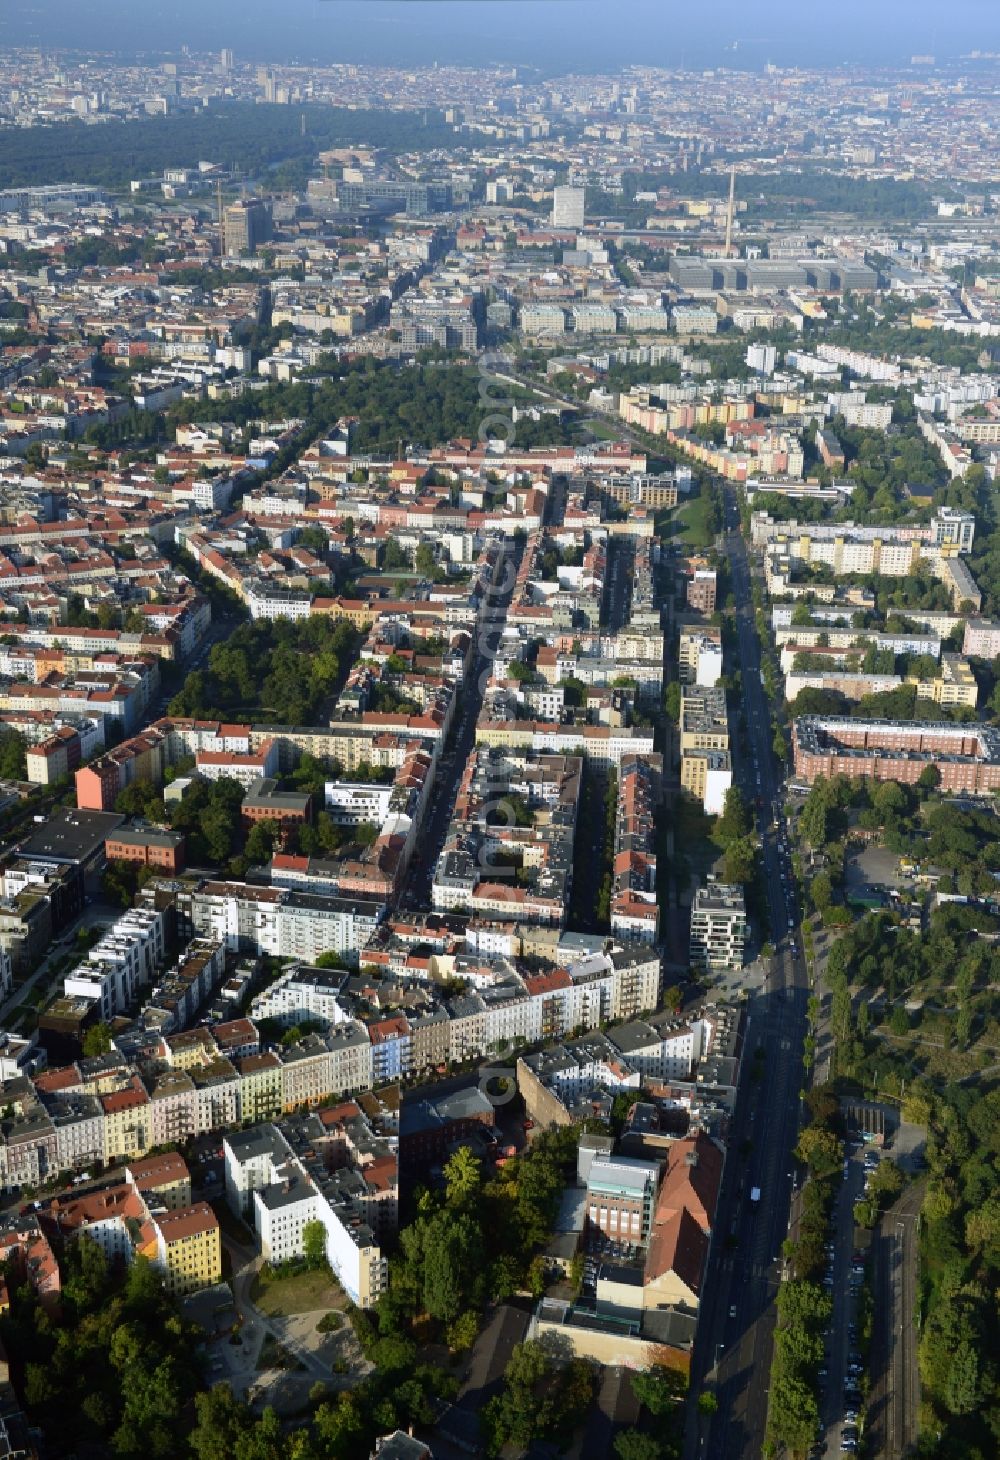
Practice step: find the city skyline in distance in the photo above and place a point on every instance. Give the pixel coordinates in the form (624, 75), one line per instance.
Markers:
(553, 34)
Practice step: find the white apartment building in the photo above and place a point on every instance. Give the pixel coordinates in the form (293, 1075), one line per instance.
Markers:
(320, 1065)
(700, 657)
(542, 319)
(510, 1016)
(302, 993)
(16, 1053)
(352, 802)
(283, 922)
(266, 1181)
(215, 765)
(660, 1053)
(636, 979)
(588, 1063)
(718, 926)
(568, 207)
(79, 1126)
(982, 638)
(266, 601)
(310, 925)
(126, 958)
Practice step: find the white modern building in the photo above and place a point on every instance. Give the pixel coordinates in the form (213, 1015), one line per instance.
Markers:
(718, 926)
(268, 1182)
(568, 207)
(125, 959)
(303, 993)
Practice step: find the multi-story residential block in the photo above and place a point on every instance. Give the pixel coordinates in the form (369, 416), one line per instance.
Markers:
(18, 1055)
(704, 721)
(128, 1131)
(718, 926)
(701, 591)
(301, 993)
(982, 638)
(699, 655)
(707, 775)
(634, 903)
(661, 1051)
(956, 685)
(186, 1246)
(27, 1259)
(282, 922)
(163, 1180)
(568, 207)
(121, 962)
(275, 1177)
(966, 757)
(706, 767)
(79, 1122)
(150, 1214)
(262, 1086)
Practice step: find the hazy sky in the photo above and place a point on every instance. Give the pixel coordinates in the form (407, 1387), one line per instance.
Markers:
(557, 34)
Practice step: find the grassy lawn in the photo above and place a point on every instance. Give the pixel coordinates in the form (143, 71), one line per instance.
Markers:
(690, 527)
(603, 430)
(933, 1062)
(302, 1292)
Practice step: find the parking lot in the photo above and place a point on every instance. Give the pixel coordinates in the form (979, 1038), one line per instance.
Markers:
(874, 867)
(600, 1251)
(844, 1365)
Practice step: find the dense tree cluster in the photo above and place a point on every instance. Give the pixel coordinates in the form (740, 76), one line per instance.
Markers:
(209, 815)
(821, 1149)
(960, 1272)
(772, 195)
(13, 755)
(279, 671)
(117, 1373)
(472, 1244)
(881, 465)
(113, 1374)
(949, 967)
(734, 834)
(239, 135)
(804, 1309)
(544, 1395)
(902, 703)
(425, 402)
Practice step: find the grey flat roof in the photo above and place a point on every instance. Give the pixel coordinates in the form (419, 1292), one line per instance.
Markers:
(614, 1272)
(71, 835)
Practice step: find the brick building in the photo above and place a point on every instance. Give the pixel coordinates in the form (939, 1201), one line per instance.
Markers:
(701, 591)
(966, 756)
(150, 846)
(265, 802)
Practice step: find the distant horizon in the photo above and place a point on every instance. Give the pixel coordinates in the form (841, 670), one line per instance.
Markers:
(556, 36)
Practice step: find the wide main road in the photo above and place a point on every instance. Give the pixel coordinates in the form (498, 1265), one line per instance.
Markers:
(462, 737)
(737, 1314)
